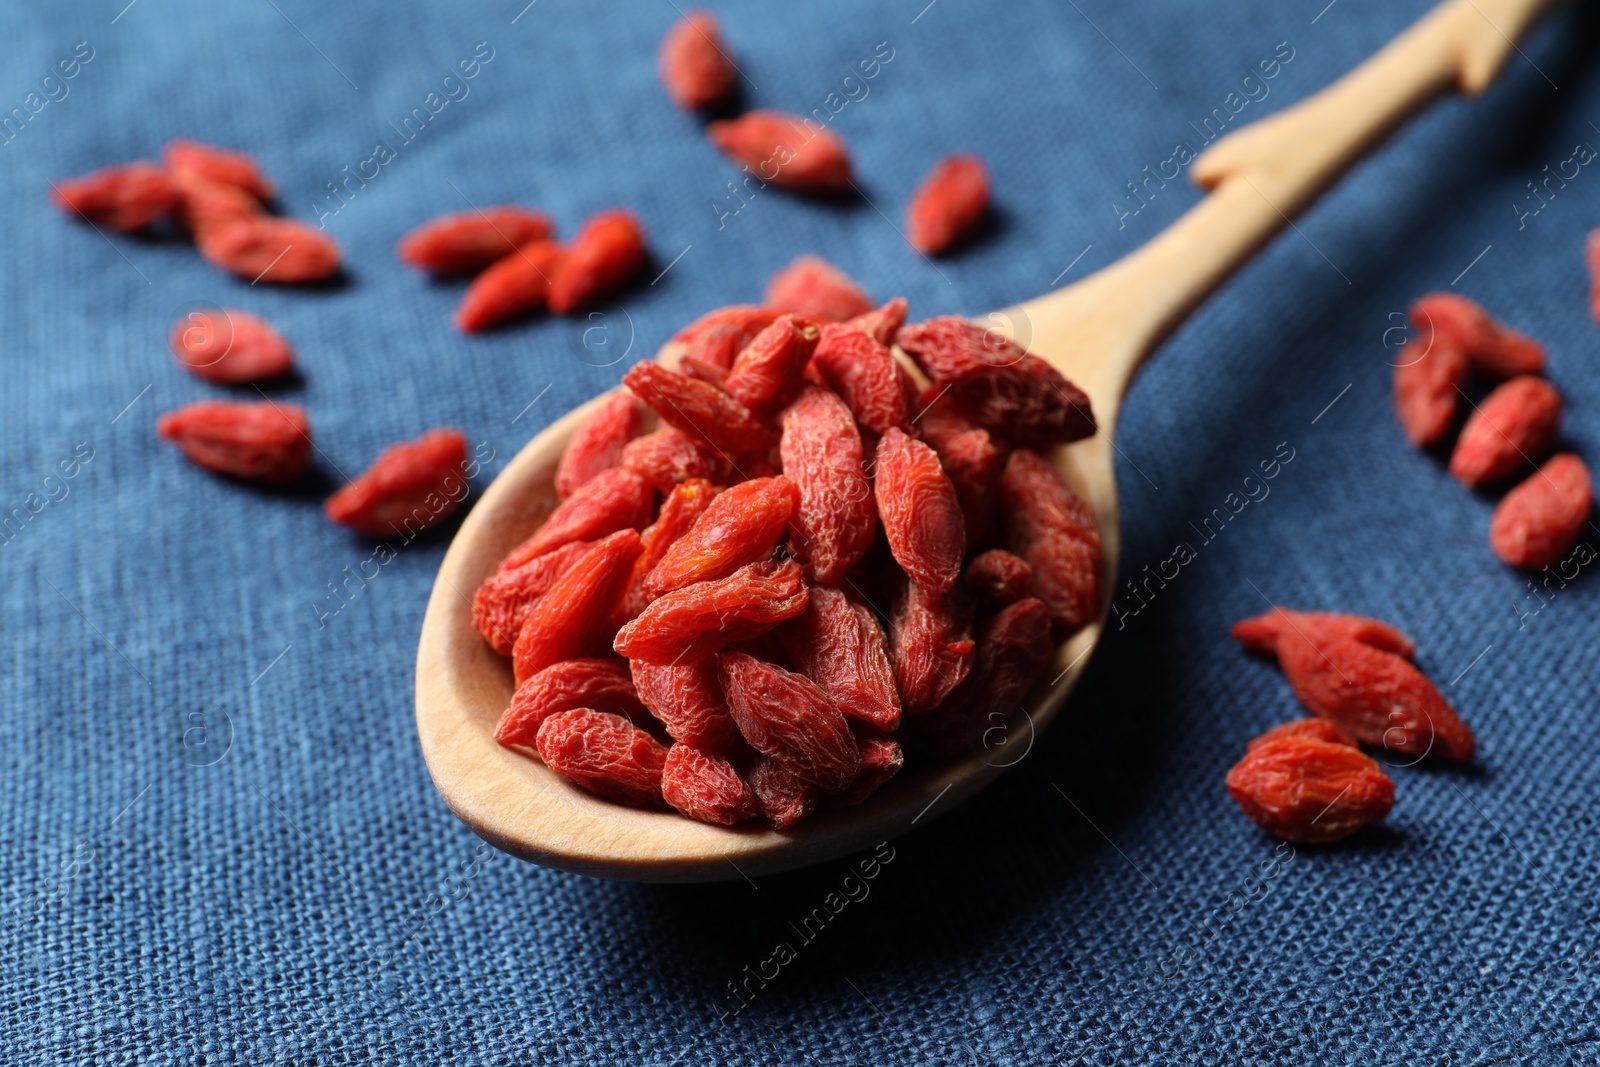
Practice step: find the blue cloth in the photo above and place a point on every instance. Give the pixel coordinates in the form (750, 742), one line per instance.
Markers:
(218, 841)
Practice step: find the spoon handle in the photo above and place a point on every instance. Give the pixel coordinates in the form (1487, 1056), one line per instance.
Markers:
(1262, 175)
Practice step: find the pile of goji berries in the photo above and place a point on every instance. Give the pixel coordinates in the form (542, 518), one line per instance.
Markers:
(710, 618)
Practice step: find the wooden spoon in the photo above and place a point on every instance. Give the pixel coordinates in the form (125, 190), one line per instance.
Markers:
(1096, 331)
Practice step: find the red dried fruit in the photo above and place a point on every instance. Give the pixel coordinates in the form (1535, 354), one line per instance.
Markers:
(920, 513)
(786, 151)
(1540, 520)
(1378, 697)
(515, 285)
(123, 198)
(866, 376)
(205, 205)
(682, 508)
(598, 443)
(788, 717)
(999, 578)
(230, 347)
(267, 249)
(608, 251)
(948, 204)
(782, 797)
(1513, 427)
(691, 623)
(605, 754)
(409, 487)
(597, 684)
(973, 463)
(883, 323)
(705, 787)
(838, 645)
(699, 410)
(881, 760)
(701, 371)
(1428, 376)
(1052, 528)
(694, 64)
(468, 241)
(833, 522)
(1591, 253)
(572, 618)
(502, 602)
(1261, 633)
(1014, 649)
(1310, 791)
(688, 701)
(997, 383)
(1315, 729)
(667, 457)
(1491, 346)
(931, 646)
(612, 500)
(265, 441)
(191, 159)
(771, 369)
(813, 288)
(740, 527)
(716, 337)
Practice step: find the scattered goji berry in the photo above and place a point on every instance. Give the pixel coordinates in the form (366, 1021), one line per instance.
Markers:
(608, 251)
(266, 441)
(268, 249)
(515, 285)
(702, 411)
(596, 684)
(930, 644)
(783, 150)
(667, 456)
(882, 323)
(740, 527)
(705, 787)
(717, 337)
(1541, 519)
(1052, 528)
(204, 205)
(1492, 347)
(866, 376)
(409, 487)
(605, 754)
(122, 198)
(572, 618)
(1591, 252)
(1310, 791)
(502, 602)
(191, 159)
(783, 797)
(881, 760)
(1261, 633)
(694, 64)
(1316, 729)
(1428, 376)
(1014, 648)
(691, 623)
(832, 525)
(788, 717)
(997, 383)
(230, 347)
(999, 578)
(1514, 427)
(612, 500)
(948, 204)
(688, 701)
(771, 369)
(598, 443)
(815, 289)
(684, 505)
(971, 460)
(920, 513)
(468, 241)
(838, 645)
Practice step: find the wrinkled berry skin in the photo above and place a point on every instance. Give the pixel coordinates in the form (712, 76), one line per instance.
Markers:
(410, 487)
(1539, 521)
(815, 289)
(1260, 633)
(605, 754)
(1309, 791)
(264, 440)
(1513, 427)
(1052, 528)
(789, 718)
(705, 787)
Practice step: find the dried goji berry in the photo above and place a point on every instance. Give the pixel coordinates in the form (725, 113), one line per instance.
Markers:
(205, 205)
(997, 383)
(1377, 696)
(1316, 729)
(502, 602)
(971, 460)
(265, 441)
(705, 787)
(667, 456)
(786, 151)
(741, 526)
(691, 623)
(833, 522)
(468, 241)
(608, 251)
(716, 337)
(1261, 633)
(1014, 648)
(409, 487)
(230, 347)
(1310, 791)
(515, 285)
(612, 500)
(783, 797)
(815, 289)
(701, 371)
(930, 644)
(597, 444)
(1428, 376)
(679, 511)
(771, 369)
(881, 760)
(1513, 427)
(605, 754)
(688, 701)
(186, 159)
(596, 684)
(866, 376)
(882, 323)
(699, 410)
(999, 578)
(1541, 519)
(788, 717)
(122, 198)
(572, 618)
(1052, 528)
(1492, 347)
(694, 64)
(948, 204)
(838, 645)
(920, 513)
(1591, 253)
(268, 249)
